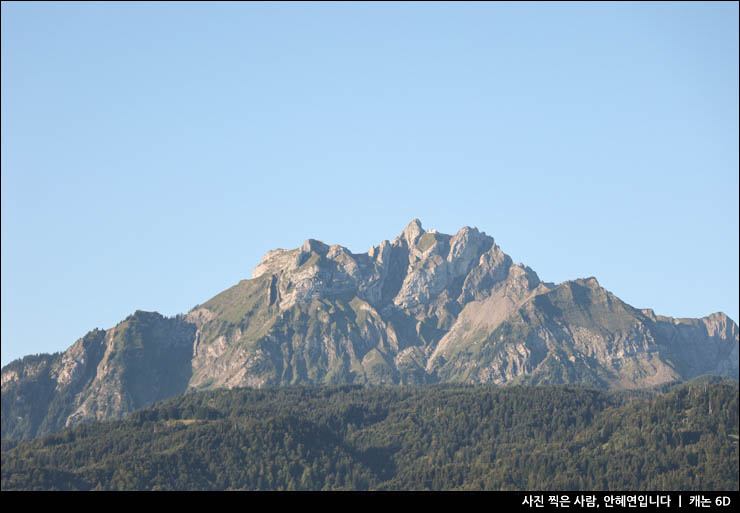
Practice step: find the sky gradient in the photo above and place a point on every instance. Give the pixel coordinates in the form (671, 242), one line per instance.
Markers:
(153, 152)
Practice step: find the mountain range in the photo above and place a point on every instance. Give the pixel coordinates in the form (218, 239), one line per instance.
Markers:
(426, 307)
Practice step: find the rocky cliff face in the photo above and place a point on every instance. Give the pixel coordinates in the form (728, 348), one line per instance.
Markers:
(104, 375)
(424, 307)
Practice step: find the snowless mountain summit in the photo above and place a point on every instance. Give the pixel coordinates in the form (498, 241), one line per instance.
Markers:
(425, 307)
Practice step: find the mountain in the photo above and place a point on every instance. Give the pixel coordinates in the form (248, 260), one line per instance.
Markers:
(424, 308)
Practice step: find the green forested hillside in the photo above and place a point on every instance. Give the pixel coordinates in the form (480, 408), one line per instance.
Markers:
(438, 437)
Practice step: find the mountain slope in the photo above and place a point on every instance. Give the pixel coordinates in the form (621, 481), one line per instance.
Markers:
(423, 308)
(432, 437)
(103, 375)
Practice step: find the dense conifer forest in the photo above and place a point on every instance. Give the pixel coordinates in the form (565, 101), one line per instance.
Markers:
(440, 437)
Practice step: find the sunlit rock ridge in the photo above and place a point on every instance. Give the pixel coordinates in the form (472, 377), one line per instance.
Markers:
(425, 307)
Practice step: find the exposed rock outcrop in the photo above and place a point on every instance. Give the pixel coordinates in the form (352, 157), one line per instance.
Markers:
(423, 307)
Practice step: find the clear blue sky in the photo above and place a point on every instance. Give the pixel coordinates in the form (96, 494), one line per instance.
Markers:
(152, 153)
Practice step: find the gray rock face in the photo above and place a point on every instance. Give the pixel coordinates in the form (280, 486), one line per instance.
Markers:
(104, 375)
(424, 307)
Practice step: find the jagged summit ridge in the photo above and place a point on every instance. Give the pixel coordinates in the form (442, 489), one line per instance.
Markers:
(424, 307)
(426, 263)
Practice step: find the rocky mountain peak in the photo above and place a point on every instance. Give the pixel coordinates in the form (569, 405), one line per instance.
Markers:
(423, 308)
(412, 232)
(314, 246)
